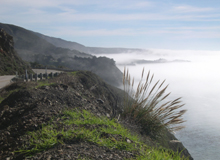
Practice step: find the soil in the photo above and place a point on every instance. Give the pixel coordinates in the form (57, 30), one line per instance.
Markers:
(28, 107)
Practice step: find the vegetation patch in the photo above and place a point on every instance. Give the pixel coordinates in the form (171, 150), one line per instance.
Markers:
(78, 126)
(44, 83)
(72, 73)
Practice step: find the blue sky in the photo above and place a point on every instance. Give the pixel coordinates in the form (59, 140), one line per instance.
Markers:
(159, 24)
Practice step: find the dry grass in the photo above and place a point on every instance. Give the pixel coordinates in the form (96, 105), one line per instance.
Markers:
(148, 105)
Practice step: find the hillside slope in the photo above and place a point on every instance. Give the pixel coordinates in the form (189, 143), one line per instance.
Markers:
(58, 42)
(30, 47)
(10, 62)
(34, 120)
(33, 48)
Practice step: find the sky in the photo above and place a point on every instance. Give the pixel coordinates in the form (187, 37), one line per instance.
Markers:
(145, 24)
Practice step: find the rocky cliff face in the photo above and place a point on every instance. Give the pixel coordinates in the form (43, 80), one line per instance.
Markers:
(9, 60)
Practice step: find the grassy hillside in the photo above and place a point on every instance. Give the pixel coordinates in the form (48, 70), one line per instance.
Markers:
(82, 126)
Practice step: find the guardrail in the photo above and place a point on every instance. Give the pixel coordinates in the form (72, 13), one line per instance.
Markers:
(33, 77)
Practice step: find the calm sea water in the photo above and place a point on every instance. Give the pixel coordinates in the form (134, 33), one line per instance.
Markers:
(198, 83)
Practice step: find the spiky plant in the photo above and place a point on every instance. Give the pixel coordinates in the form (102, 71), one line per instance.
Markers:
(148, 105)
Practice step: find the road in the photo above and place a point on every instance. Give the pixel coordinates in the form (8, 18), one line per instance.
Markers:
(5, 80)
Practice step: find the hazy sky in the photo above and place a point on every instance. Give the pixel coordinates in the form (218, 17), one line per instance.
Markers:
(160, 24)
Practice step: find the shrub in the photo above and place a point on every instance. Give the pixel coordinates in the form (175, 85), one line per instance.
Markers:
(148, 107)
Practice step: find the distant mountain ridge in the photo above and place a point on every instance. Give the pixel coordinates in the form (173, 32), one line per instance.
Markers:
(58, 42)
(29, 45)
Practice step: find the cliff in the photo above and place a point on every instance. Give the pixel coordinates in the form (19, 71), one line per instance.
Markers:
(73, 116)
(10, 62)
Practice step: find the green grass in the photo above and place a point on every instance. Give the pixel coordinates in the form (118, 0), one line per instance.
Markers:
(102, 131)
(72, 73)
(43, 83)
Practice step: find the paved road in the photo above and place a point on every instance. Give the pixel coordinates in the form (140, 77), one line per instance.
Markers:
(5, 80)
